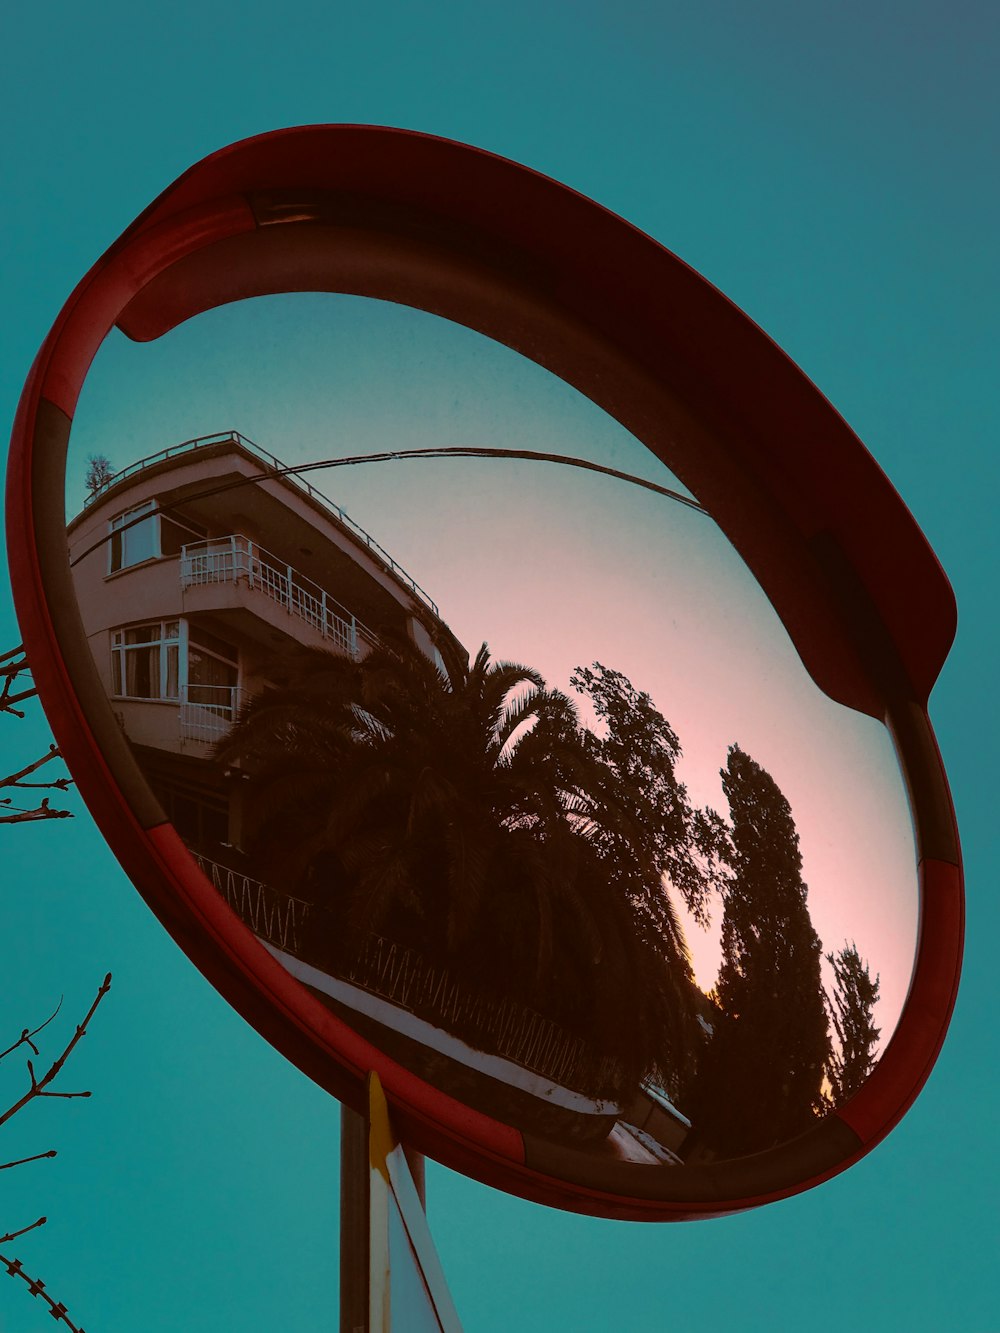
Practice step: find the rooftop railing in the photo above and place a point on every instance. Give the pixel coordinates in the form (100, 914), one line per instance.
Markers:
(237, 559)
(282, 469)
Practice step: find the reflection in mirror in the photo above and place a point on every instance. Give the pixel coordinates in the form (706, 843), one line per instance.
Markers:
(624, 877)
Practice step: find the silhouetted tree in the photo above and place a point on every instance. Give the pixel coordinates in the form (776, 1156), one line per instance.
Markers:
(854, 998)
(99, 472)
(447, 809)
(761, 1076)
(649, 836)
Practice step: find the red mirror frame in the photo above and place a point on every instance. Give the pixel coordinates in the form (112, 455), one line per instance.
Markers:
(485, 242)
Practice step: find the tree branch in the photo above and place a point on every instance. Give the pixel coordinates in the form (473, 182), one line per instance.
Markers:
(14, 779)
(28, 1033)
(11, 666)
(4, 1166)
(11, 1235)
(39, 1085)
(43, 811)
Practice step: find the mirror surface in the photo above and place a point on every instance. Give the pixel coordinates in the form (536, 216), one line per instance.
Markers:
(625, 878)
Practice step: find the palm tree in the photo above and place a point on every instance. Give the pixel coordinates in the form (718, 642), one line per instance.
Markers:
(462, 813)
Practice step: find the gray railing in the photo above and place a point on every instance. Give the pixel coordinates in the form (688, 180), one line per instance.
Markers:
(236, 559)
(208, 711)
(234, 437)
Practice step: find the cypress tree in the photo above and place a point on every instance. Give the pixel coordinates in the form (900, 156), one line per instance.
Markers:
(854, 998)
(761, 1075)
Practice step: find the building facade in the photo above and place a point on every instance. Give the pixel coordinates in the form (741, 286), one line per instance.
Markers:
(197, 567)
(196, 570)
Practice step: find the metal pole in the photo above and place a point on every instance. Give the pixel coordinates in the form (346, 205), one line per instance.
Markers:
(355, 1262)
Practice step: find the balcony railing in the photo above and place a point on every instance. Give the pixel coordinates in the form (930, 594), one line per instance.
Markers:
(208, 711)
(281, 469)
(236, 559)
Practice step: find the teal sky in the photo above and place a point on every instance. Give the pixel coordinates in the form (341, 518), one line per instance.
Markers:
(834, 173)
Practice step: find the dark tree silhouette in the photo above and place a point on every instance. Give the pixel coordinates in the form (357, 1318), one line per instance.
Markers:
(851, 1008)
(449, 810)
(99, 472)
(649, 834)
(761, 1075)
(466, 814)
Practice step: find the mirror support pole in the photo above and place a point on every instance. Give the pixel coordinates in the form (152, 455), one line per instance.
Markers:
(355, 1260)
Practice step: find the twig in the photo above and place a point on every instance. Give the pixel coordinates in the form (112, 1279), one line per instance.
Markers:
(28, 1033)
(8, 700)
(10, 669)
(43, 811)
(39, 1085)
(11, 1235)
(14, 779)
(21, 1160)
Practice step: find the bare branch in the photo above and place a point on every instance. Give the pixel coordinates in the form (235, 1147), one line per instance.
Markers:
(43, 811)
(28, 1033)
(11, 1235)
(38, 1085)
(7, 701)
(38, 1088)
(14, 779)
(4, 1166)
(11, 666)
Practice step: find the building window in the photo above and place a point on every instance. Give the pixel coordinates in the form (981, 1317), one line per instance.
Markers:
(133, 537)
(212, 671)
(145, 661)
(145, 533)
(177, 531)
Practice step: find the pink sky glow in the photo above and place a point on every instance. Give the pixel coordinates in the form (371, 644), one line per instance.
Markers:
(550, 566)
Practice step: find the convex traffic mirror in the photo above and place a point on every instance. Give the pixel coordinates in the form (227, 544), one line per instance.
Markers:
(499, 673)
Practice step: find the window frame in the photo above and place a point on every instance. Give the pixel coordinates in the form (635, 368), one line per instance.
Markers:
(120, 650)
(124, 523)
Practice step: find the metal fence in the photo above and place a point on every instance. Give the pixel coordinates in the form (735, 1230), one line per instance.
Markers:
(272, 915)
(406, 979)
(502, 1027)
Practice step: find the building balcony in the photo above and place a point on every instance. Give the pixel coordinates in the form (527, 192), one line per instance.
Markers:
(208, 711)
(243, 564)
(205, 446)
